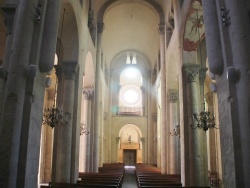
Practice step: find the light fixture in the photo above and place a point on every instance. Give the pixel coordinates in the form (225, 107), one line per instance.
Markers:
(83, 129)
(176, 131)
(204, 120)
(53, 116)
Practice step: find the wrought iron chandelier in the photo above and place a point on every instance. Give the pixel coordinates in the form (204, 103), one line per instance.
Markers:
(53, 116)
(205, 120)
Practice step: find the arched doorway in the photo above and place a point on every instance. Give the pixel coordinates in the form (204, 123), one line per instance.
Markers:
(130, 145)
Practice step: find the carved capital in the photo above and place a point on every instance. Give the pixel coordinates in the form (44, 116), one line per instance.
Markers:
(9, 10)
(161, 29)
(88, 93)
(192, 71)
(100, 28)
(202, 75)
(143, 140)
(173, 95)
(70, 69)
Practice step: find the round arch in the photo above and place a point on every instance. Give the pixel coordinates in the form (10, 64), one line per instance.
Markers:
(130, 137)
(118, 61)
(149, 3)
(68, 33)
(194, 31)
(89, 71)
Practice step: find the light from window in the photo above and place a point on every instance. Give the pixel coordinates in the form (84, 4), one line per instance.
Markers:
(131, 72)
(130, 96)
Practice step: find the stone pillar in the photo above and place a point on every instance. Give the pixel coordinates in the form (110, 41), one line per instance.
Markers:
(196, 155)
(213, 41)
(143, 149)
(203, 135)
(46, 144)
(114, 88)
(211, 137)
(238, 33)
(13, 171)
(58, 131)
(154, 139)
(88, 95)
(9, 14)
(147, 112)
(98, 89)
(143, 96)
(69, 71)
(163, 98)
(118, 148)
(50, 33)
(173, 122)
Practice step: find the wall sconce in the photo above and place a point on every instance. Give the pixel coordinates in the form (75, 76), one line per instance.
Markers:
(83, 129)
(176, 131)
(38, 15)
(225, 17)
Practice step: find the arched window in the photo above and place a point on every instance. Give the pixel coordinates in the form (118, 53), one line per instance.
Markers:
(130, 94)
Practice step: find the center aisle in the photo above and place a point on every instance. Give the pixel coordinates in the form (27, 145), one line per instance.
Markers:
(129, 180)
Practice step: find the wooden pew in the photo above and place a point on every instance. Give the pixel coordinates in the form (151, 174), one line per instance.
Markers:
(150, 176)
(85, 185)
(110, 173)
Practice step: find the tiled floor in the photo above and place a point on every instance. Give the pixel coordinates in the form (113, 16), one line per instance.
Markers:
(129, 180)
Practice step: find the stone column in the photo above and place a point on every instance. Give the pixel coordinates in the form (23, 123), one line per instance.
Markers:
(195, 139)
(213, 40)
(98, 89)
(143, 149)
(173, 122)
(203, 135)
(154, 139)
(163, 98)
(50, 33)
(9, 14)
(147, 112)
(143, 96)
(211, 136)
(47, 144)
(238, 36)
(58, 131)
(114, 88)
(69, 71)
(13, 172)
(118, 147)
(88, 95)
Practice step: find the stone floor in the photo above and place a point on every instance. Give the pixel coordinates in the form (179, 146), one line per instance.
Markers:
(129, 180)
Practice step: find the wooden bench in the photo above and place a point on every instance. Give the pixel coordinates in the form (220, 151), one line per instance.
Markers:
(85, 185)
(108, 174)
(150, 176)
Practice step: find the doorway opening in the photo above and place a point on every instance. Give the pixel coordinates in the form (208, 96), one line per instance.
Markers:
(129, 157)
